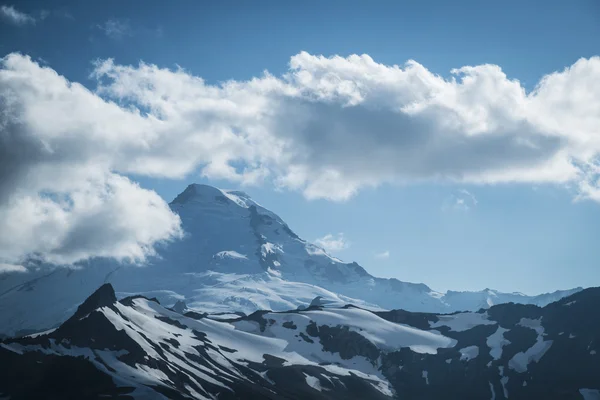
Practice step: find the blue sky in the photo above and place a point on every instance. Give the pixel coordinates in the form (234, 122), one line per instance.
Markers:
(529, 236)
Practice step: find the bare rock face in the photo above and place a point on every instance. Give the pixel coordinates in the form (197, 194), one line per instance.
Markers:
(135, 347)
(179, 307)
(104, 296)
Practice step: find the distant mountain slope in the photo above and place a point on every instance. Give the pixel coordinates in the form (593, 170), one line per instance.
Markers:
(136, 348)
(236, 256)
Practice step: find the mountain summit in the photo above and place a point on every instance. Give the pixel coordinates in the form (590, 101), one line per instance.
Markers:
(236, 256)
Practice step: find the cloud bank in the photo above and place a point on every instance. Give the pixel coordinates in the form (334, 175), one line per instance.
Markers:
(327, 128)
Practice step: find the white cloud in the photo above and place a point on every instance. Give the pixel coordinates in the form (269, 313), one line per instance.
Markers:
(61, 200)
(9, 268)
(383, 255)
(328, 128)
(472, 199)
(15, 16)
(116, 28)
(332, 243)
(332, 126)
(462, 200)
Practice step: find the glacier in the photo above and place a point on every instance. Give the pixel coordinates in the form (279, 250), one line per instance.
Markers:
(236, 256)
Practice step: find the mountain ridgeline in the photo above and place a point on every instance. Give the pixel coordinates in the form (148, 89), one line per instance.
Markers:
(236, 256)
(136, 348)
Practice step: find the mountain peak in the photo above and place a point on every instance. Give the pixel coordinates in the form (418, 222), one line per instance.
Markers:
(102, 297)
(197, 191)
(201, 193)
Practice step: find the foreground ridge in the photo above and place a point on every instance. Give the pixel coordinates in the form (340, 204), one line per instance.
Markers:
(136, 348)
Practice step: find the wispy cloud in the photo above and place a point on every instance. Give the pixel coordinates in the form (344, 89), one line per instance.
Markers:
(462, 200)
(383, 255)
(116, 28)
(15, 16)
(333, 243)
(469, 195)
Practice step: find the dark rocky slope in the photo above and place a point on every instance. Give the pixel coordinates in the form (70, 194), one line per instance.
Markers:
(135, 348)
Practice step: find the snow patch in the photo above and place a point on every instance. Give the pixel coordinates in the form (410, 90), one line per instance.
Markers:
(220, 317)
(313, 382)
(493, 391)
(239, 198)
(503, 381)
(34, 335)
(270, 248)
(462, 321)
(469, 353)
(521, 360)
(535, 324)
(496, 342)
(231, 254)
(384, 334)
(590, 394)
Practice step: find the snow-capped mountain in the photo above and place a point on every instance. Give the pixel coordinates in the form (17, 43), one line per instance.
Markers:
(236, 256)
(136, 348)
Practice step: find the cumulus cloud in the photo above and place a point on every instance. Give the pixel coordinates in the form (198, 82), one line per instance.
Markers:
(384, 255)
(61, 200)
(328, 128)
(332, 126)
(15, 16)
(332, 243)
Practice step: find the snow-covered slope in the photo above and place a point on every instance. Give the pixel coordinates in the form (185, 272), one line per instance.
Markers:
(136, 347)
(489, 297)
(151, 352)
(236, 257)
